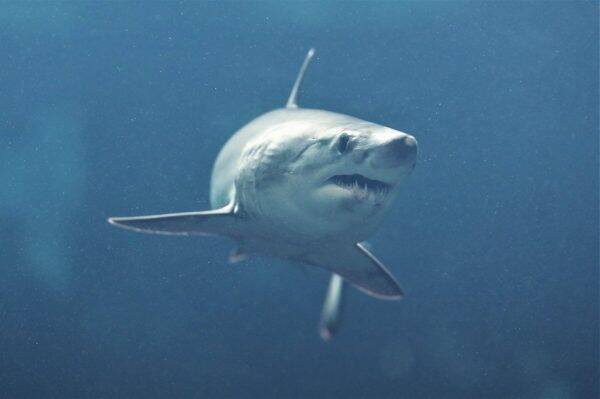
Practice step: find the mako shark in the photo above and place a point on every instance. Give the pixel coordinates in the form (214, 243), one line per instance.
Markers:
(304, 185)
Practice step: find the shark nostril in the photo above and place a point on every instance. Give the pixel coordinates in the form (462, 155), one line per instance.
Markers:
(404, 147)
(410, 141)
(401, 150)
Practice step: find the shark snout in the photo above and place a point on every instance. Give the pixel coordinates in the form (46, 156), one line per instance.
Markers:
(399, 151)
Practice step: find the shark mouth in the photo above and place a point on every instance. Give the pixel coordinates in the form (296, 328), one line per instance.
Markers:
(359, 183)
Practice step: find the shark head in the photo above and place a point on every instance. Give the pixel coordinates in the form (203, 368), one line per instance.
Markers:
(367, 165)
(327, 179)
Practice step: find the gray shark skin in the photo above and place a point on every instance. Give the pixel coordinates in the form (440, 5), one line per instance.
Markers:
(304, 185)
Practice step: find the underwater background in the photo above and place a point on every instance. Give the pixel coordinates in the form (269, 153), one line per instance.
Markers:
(120, 108)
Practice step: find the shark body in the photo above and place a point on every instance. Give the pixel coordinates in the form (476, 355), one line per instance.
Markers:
(304, 185)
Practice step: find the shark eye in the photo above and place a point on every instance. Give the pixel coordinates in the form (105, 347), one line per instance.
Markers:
(343, 143)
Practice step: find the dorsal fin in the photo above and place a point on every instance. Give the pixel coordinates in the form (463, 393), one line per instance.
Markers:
(293, 100)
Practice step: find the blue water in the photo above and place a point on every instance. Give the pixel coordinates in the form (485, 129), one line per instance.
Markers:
(120, 109)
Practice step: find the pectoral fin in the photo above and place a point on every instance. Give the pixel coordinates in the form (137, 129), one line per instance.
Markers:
(358, 266)
(215, 222)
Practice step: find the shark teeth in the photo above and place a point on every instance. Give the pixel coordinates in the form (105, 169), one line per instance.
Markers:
(361, 186)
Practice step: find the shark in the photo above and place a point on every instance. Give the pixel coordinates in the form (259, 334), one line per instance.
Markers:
(308, 186)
